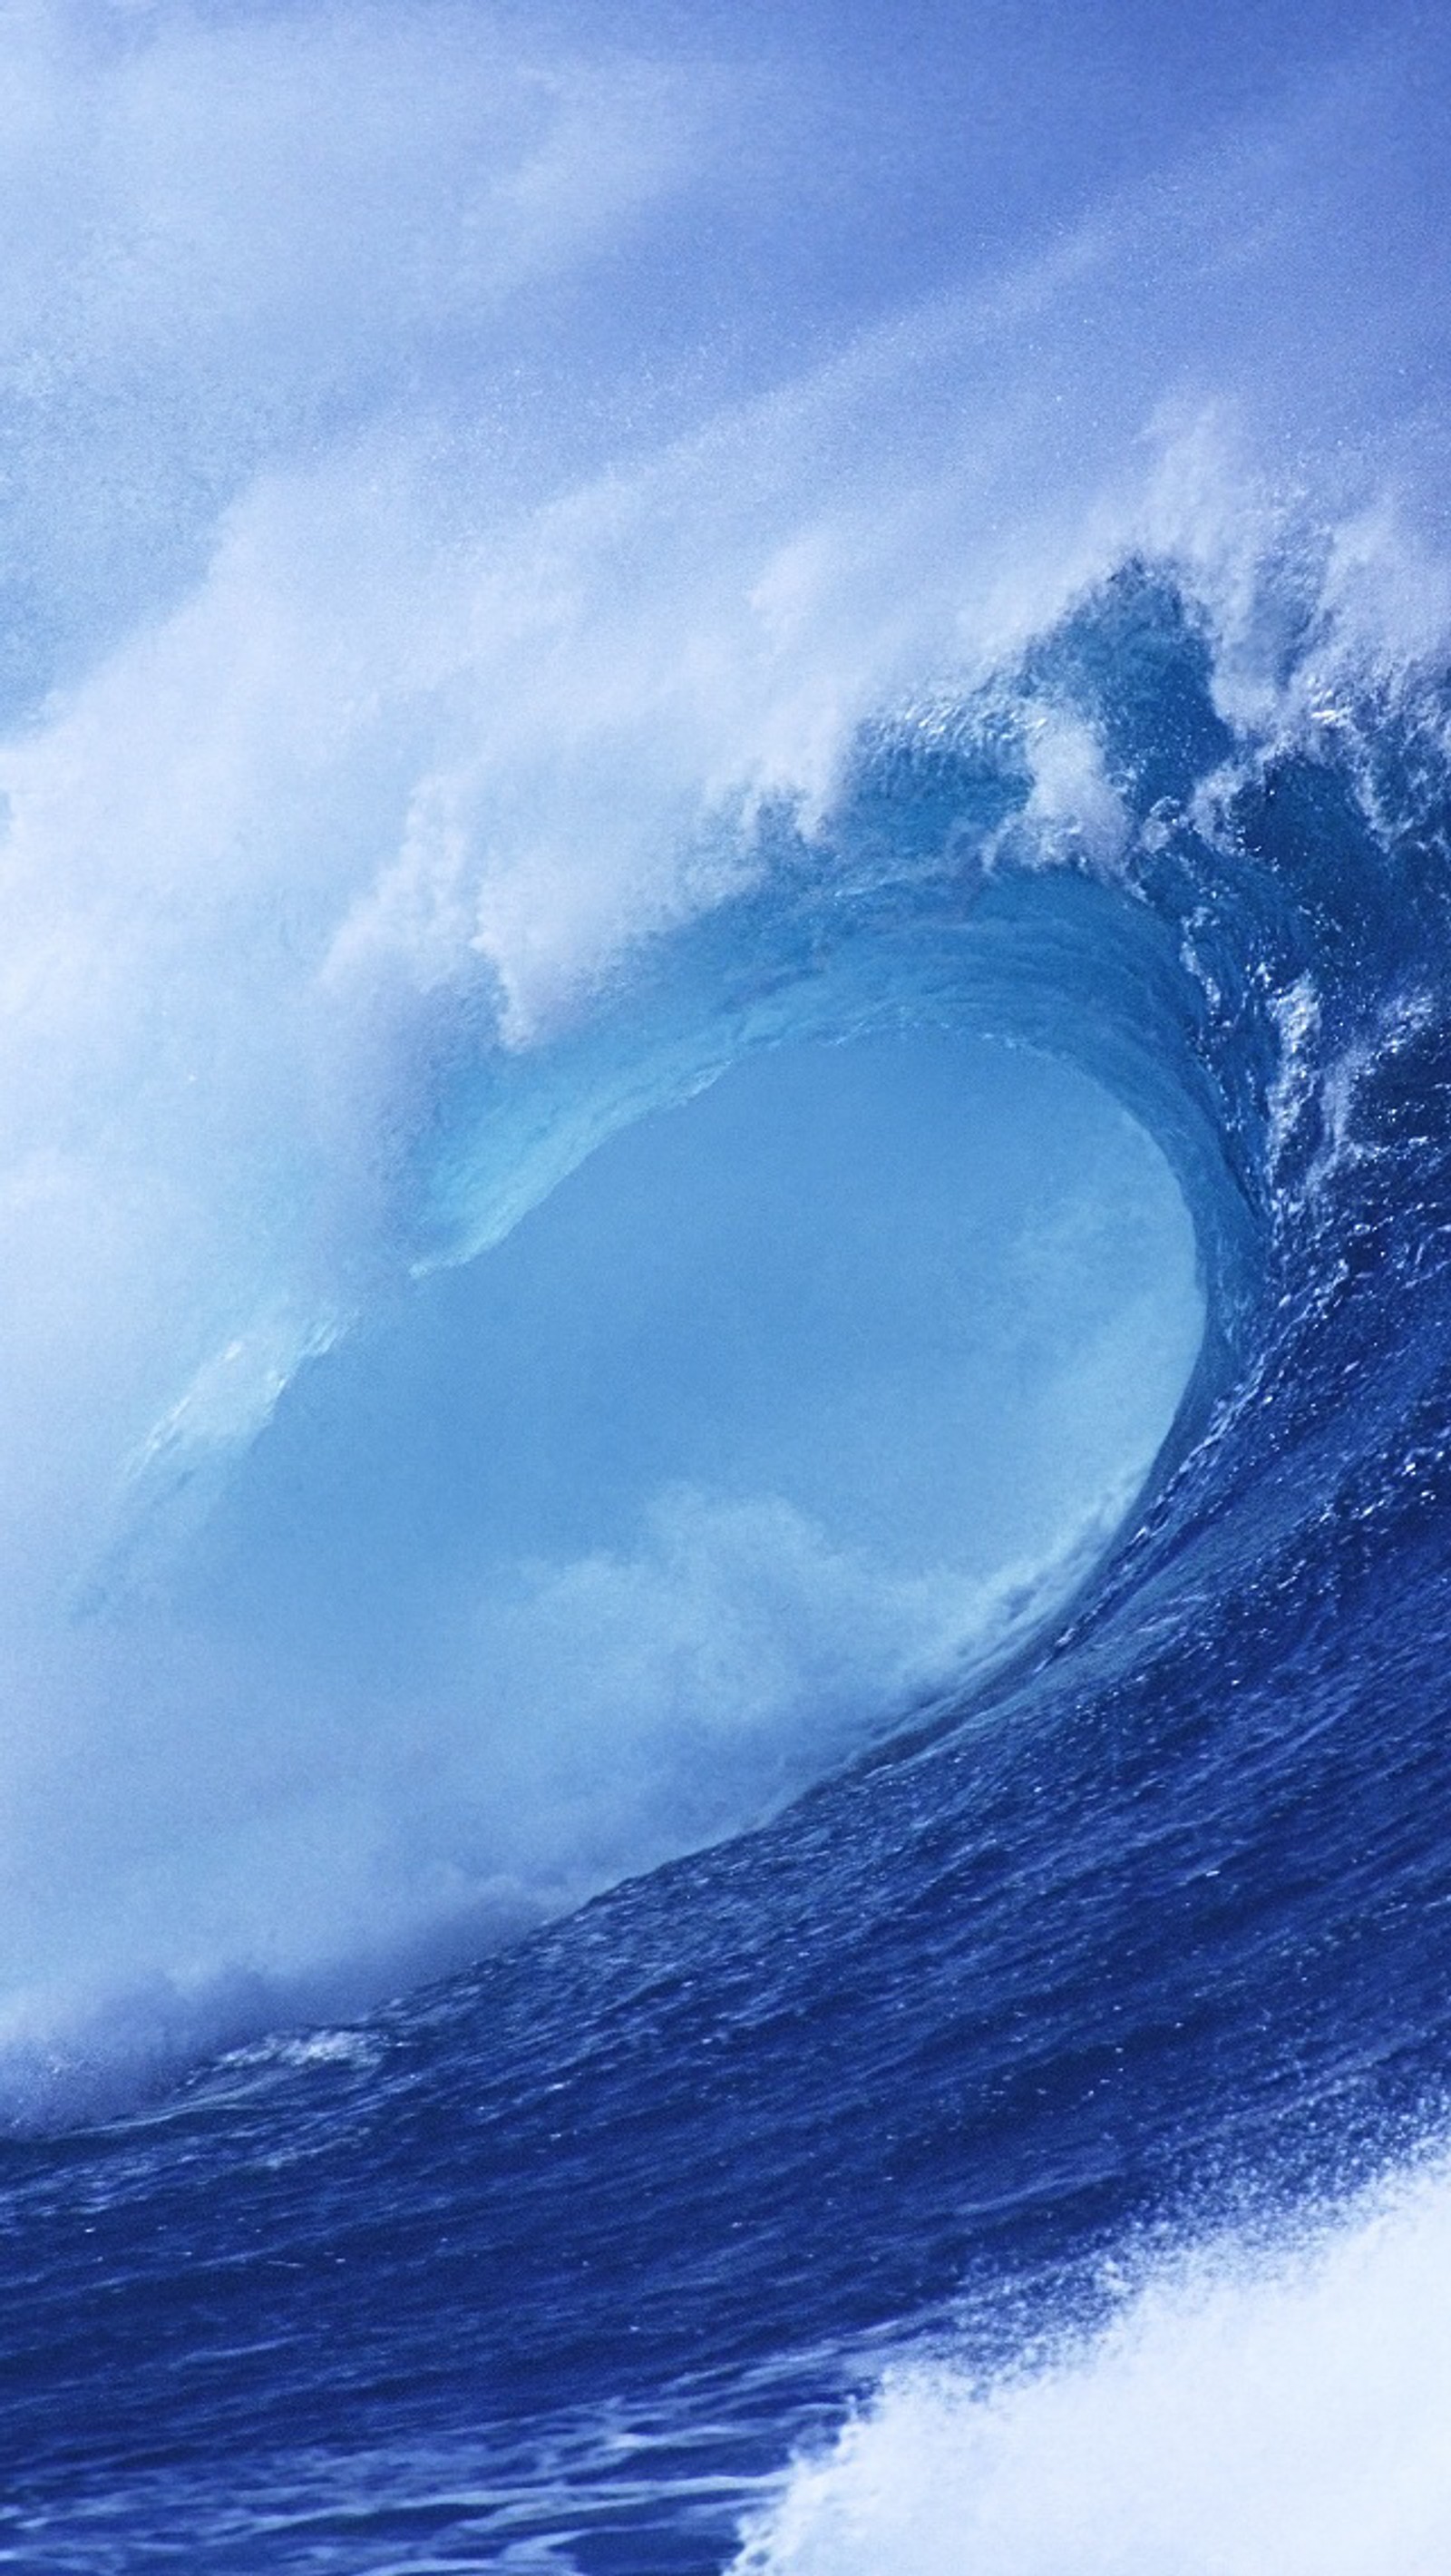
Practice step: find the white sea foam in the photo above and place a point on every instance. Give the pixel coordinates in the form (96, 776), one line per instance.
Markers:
(1247, 2412)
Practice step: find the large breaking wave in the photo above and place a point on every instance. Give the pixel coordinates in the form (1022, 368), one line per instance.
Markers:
(726, 1186)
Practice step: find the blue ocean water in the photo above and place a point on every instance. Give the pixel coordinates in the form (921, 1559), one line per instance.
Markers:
(727, 1157)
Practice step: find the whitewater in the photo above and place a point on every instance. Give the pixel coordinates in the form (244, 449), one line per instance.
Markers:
(725, 1041)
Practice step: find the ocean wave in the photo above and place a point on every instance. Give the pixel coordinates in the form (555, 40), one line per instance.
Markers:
(1231, 929)
(726, 815)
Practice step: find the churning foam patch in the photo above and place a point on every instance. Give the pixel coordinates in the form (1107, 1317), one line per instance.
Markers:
(252, 1859)
(1244, 2414)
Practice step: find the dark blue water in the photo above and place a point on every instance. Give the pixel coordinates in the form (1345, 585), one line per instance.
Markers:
(553, 2263)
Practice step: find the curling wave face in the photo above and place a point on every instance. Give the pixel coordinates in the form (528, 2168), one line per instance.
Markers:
(1215, 1782)
(788, 1335)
